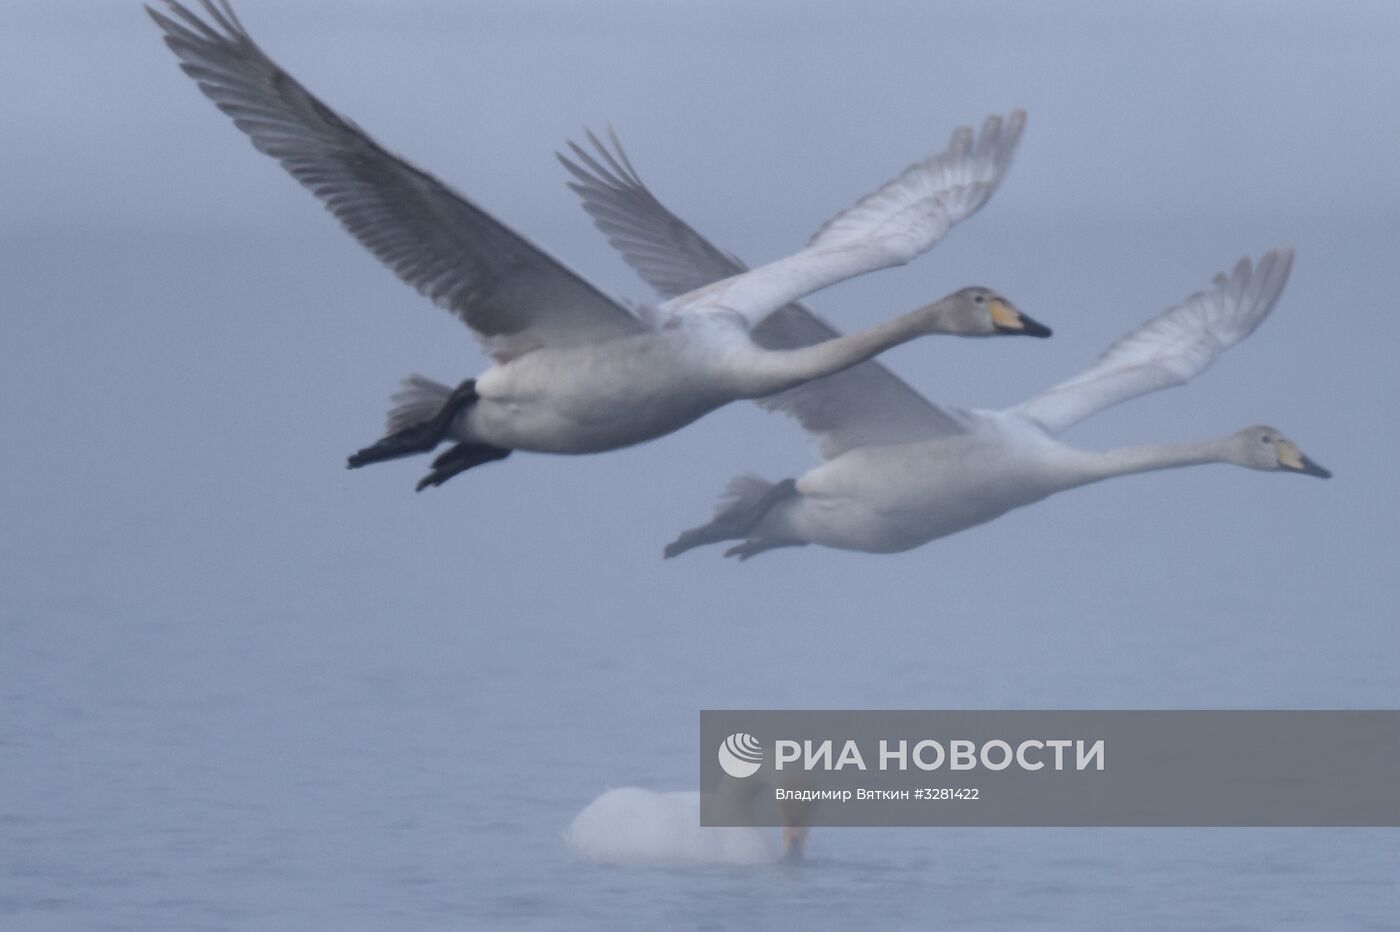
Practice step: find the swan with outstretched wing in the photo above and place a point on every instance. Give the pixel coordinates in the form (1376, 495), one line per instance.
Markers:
(901, 471)
(573, 370)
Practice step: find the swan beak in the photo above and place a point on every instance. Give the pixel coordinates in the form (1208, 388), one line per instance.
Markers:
(794, 843)
(1292, 459)
(1006, 319)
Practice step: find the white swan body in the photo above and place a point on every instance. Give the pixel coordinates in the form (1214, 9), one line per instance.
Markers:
(891, 498)
(633, 827)
(637, 827)
(575, 371)
(603, 396)
(901, 471)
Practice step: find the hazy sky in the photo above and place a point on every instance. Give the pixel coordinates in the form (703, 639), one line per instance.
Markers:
(192, 346)
(1187, 108)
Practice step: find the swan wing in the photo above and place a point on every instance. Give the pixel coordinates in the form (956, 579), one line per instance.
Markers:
(1171, 348)
(513, 295)
(662, 248)
(861, 406)
(903, 218)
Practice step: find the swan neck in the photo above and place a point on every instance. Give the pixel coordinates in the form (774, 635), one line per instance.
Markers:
(778, 370)
(1125, 461)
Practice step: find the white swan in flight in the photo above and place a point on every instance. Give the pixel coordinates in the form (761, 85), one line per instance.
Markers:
(901, 471)
(575, 371)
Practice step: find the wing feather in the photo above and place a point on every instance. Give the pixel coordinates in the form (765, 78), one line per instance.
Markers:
(1171, 348)
(512, 294)
(902, 219)
(663, 249)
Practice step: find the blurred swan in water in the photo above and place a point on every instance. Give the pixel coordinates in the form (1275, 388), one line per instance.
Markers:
(901, 471)
(634, 827)
(575, 371)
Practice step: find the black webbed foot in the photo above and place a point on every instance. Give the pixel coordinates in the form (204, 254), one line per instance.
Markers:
(460, 458)
(420, 438)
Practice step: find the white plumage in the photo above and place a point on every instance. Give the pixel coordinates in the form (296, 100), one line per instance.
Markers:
(889, 227)
(633, 827)
(1171, 348)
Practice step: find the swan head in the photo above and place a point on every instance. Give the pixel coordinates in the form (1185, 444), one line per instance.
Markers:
(981, 312)
(1266, 448)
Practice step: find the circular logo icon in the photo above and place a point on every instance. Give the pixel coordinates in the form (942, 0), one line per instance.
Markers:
(740, 755)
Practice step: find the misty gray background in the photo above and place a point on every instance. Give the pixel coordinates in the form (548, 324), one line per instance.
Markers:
(243, 687)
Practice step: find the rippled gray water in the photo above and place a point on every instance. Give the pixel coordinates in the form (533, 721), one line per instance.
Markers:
(228, 773)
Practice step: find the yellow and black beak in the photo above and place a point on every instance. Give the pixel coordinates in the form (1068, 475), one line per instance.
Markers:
(1291, 459)
(1006, 319)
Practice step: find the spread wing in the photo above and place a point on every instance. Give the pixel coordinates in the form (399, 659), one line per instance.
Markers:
(901, 220)
(514, 296)
(663, 249)
(1171, 348)
(866, 405)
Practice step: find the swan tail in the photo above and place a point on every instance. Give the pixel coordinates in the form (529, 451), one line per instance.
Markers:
(742, 505)
(422, 418)
(418, 399)
(422, 412)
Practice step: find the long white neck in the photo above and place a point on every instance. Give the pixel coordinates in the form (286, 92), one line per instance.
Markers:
(1125, 461)
(772, 371)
